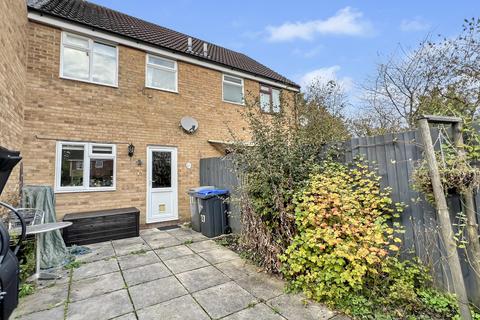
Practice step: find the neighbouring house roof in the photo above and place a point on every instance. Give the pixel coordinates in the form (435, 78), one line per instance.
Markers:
(102, 18)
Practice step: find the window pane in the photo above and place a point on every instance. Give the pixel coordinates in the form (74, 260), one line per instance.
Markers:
(161, 169)
(276, 100)
(72, 166)
(105, 50)
(232, 93)
(265, 102)
(104, 63)
(104, 68)
(161, 62)
(77, 41)
(232, 79)
(101, 173)
(162, 79)
(75, 63)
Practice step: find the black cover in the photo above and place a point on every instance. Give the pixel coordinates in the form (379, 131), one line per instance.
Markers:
(8, 160)
(9, 269)
(9, 280)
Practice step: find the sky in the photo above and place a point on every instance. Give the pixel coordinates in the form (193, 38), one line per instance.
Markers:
(304, 40)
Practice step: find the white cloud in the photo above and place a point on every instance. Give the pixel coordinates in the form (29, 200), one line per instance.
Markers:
(347, 21)
(415, 24)
(324, 75)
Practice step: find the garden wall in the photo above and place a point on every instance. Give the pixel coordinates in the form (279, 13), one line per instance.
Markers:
(13, 70)
(394, 156)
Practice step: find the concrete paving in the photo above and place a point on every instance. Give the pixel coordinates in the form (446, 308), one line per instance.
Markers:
(174, 274)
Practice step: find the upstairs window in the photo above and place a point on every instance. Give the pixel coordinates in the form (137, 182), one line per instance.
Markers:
(85, 167)
(88, 60)
(269, 99)
(161, 73)
(232, 89)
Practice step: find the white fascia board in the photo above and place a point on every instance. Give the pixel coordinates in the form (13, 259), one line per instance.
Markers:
(90, 31)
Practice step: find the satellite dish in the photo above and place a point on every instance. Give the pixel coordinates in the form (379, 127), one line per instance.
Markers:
(189, 124)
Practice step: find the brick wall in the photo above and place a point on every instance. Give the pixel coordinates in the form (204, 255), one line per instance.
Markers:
(71, 110)
(13, 43)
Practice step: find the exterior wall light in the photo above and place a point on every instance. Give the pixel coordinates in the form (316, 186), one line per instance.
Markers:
(131, 150)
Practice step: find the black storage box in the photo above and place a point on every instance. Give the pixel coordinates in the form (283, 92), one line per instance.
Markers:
(213, 212)
(99, 226)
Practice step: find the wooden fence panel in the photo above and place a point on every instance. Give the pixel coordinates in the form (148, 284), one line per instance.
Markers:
(219, 172)
(394, 156)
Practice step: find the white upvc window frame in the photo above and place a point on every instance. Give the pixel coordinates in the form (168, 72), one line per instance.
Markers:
(242, 85)
(91, 41)
(269, 90)
(87, 156)
(156, 66)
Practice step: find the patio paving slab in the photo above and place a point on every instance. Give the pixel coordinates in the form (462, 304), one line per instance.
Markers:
(145, 273)
(180, 232)
(208, 282)
(100, 252)
(101, 307)
(189, 238)
(134, 248)
(173, 252)
(51, 314)
(128, 316)
(259, 311)
(96, 268)
(157, 291)
(262, 286)
(218, 255)
(136, 260)
(91, 287)
(237, 268)
(147, 232)
(43, 299)
(224, 299)
(160, 243)
(61, 272)
(203, 246)
(202, 278)
(186, 263)
(293, 307)
(182, 308)
(127, 241)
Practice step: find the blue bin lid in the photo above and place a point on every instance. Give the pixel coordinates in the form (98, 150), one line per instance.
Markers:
(211, 193)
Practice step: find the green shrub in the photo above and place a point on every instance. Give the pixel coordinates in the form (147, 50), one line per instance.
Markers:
(341, 219)
(344, 251)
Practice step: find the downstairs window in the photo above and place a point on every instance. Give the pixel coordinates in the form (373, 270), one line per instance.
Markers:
(82, 166)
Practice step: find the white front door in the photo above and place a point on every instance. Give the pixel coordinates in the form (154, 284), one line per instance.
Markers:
(162, 196)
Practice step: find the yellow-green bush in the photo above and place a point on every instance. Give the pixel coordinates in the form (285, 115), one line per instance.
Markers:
(343, 235)
(344, 251)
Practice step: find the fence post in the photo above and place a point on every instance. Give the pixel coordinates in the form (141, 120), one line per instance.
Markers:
(444, 220)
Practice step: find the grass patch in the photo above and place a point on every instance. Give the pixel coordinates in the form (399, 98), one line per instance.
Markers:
(26, 289)
(73, 264)
(138, 252)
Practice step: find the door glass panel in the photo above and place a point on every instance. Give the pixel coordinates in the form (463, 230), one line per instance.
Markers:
(161, 169)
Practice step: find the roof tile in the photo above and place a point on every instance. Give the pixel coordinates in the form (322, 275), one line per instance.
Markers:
(100, 17)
